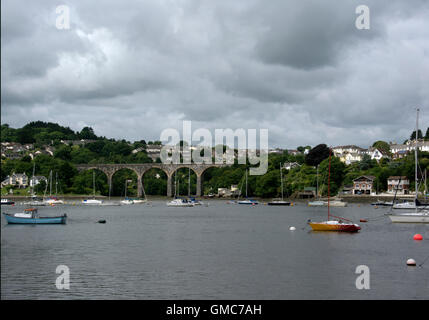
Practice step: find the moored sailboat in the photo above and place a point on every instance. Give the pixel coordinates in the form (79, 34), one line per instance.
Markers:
(420, 215)
(333, 225)
(92, 201)
(280, 202)
(316, 203)
(247, 200)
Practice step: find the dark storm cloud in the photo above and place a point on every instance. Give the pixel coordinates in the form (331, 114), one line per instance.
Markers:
(299, 68)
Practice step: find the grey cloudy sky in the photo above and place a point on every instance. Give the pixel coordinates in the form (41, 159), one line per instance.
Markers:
(299, 68)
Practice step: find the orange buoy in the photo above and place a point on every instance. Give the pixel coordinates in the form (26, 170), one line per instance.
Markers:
(418, 237)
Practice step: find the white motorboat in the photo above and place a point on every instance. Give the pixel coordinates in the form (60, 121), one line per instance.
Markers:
(248, 201)
(92, 201)
(410, 217)
(180, 203)
(336, 203)
(138, 201)
(127, 201)
(53, 201)
(317, 203)
(333, 203)
(7, 202)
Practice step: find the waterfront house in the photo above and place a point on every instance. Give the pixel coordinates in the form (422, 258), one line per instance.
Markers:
(363, 185)
(16, 179)
(226, 192)
(398, 184)
(347, 189)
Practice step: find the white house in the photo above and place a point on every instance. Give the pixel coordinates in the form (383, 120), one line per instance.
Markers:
(396, 184)
(363, 185)
(291, 165)
(341, 150)
(377, 154)
(351, 157)
(34, 181)
(16, 179)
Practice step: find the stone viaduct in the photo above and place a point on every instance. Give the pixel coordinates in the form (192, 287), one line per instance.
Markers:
(140, 169)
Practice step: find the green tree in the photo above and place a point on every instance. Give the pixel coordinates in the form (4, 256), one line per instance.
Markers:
(382, 146)
(87, 133)
(317, 155)
(413, 135)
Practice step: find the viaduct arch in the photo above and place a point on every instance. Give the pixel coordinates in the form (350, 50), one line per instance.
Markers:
(140, 169)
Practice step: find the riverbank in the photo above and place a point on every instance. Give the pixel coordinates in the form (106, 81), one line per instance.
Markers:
(346, 198)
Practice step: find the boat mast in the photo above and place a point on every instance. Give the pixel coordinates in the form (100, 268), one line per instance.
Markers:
(329, 180)
(32, 180)
(93, 183)
(246, 184)
(50, 184)
(56, 184)
(189, 183)
(426, 190)
(126, 180)
(317, 182)
(415, 156)
(281, 179)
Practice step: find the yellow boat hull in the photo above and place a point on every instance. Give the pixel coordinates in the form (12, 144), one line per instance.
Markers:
(343, 227)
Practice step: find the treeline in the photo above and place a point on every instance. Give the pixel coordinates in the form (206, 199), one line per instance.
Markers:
(104, 150)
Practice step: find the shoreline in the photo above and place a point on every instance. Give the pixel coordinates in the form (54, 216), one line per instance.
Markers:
(345, 198)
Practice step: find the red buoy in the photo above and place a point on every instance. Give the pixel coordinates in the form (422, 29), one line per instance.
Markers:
(363, 220)
(418, 237)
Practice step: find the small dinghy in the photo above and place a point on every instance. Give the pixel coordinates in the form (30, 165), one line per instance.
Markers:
(30, 216)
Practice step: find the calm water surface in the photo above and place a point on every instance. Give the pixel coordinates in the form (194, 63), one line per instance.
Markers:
(222, 251)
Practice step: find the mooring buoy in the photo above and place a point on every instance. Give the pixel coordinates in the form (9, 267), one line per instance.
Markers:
(411, 262)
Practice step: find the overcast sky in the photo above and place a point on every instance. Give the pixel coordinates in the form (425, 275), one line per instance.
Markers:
(300, 68)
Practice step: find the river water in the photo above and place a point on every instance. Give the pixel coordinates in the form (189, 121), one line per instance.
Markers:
(222, 251)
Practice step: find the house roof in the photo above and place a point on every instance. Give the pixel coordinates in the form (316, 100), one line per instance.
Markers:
(397, 178)
(348, 147)
(372, 178)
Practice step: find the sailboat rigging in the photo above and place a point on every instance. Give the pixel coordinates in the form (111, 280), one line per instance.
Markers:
(330, 224)
(92, 201)
(247, 200)
(280, 202)
(419, 215)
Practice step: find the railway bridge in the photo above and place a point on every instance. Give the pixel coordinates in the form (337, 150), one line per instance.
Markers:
(140, 169)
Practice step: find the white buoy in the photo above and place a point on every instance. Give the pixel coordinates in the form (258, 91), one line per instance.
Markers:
(292, 228)
(411, 262)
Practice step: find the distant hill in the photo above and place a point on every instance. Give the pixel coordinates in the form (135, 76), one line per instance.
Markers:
(40, 132)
